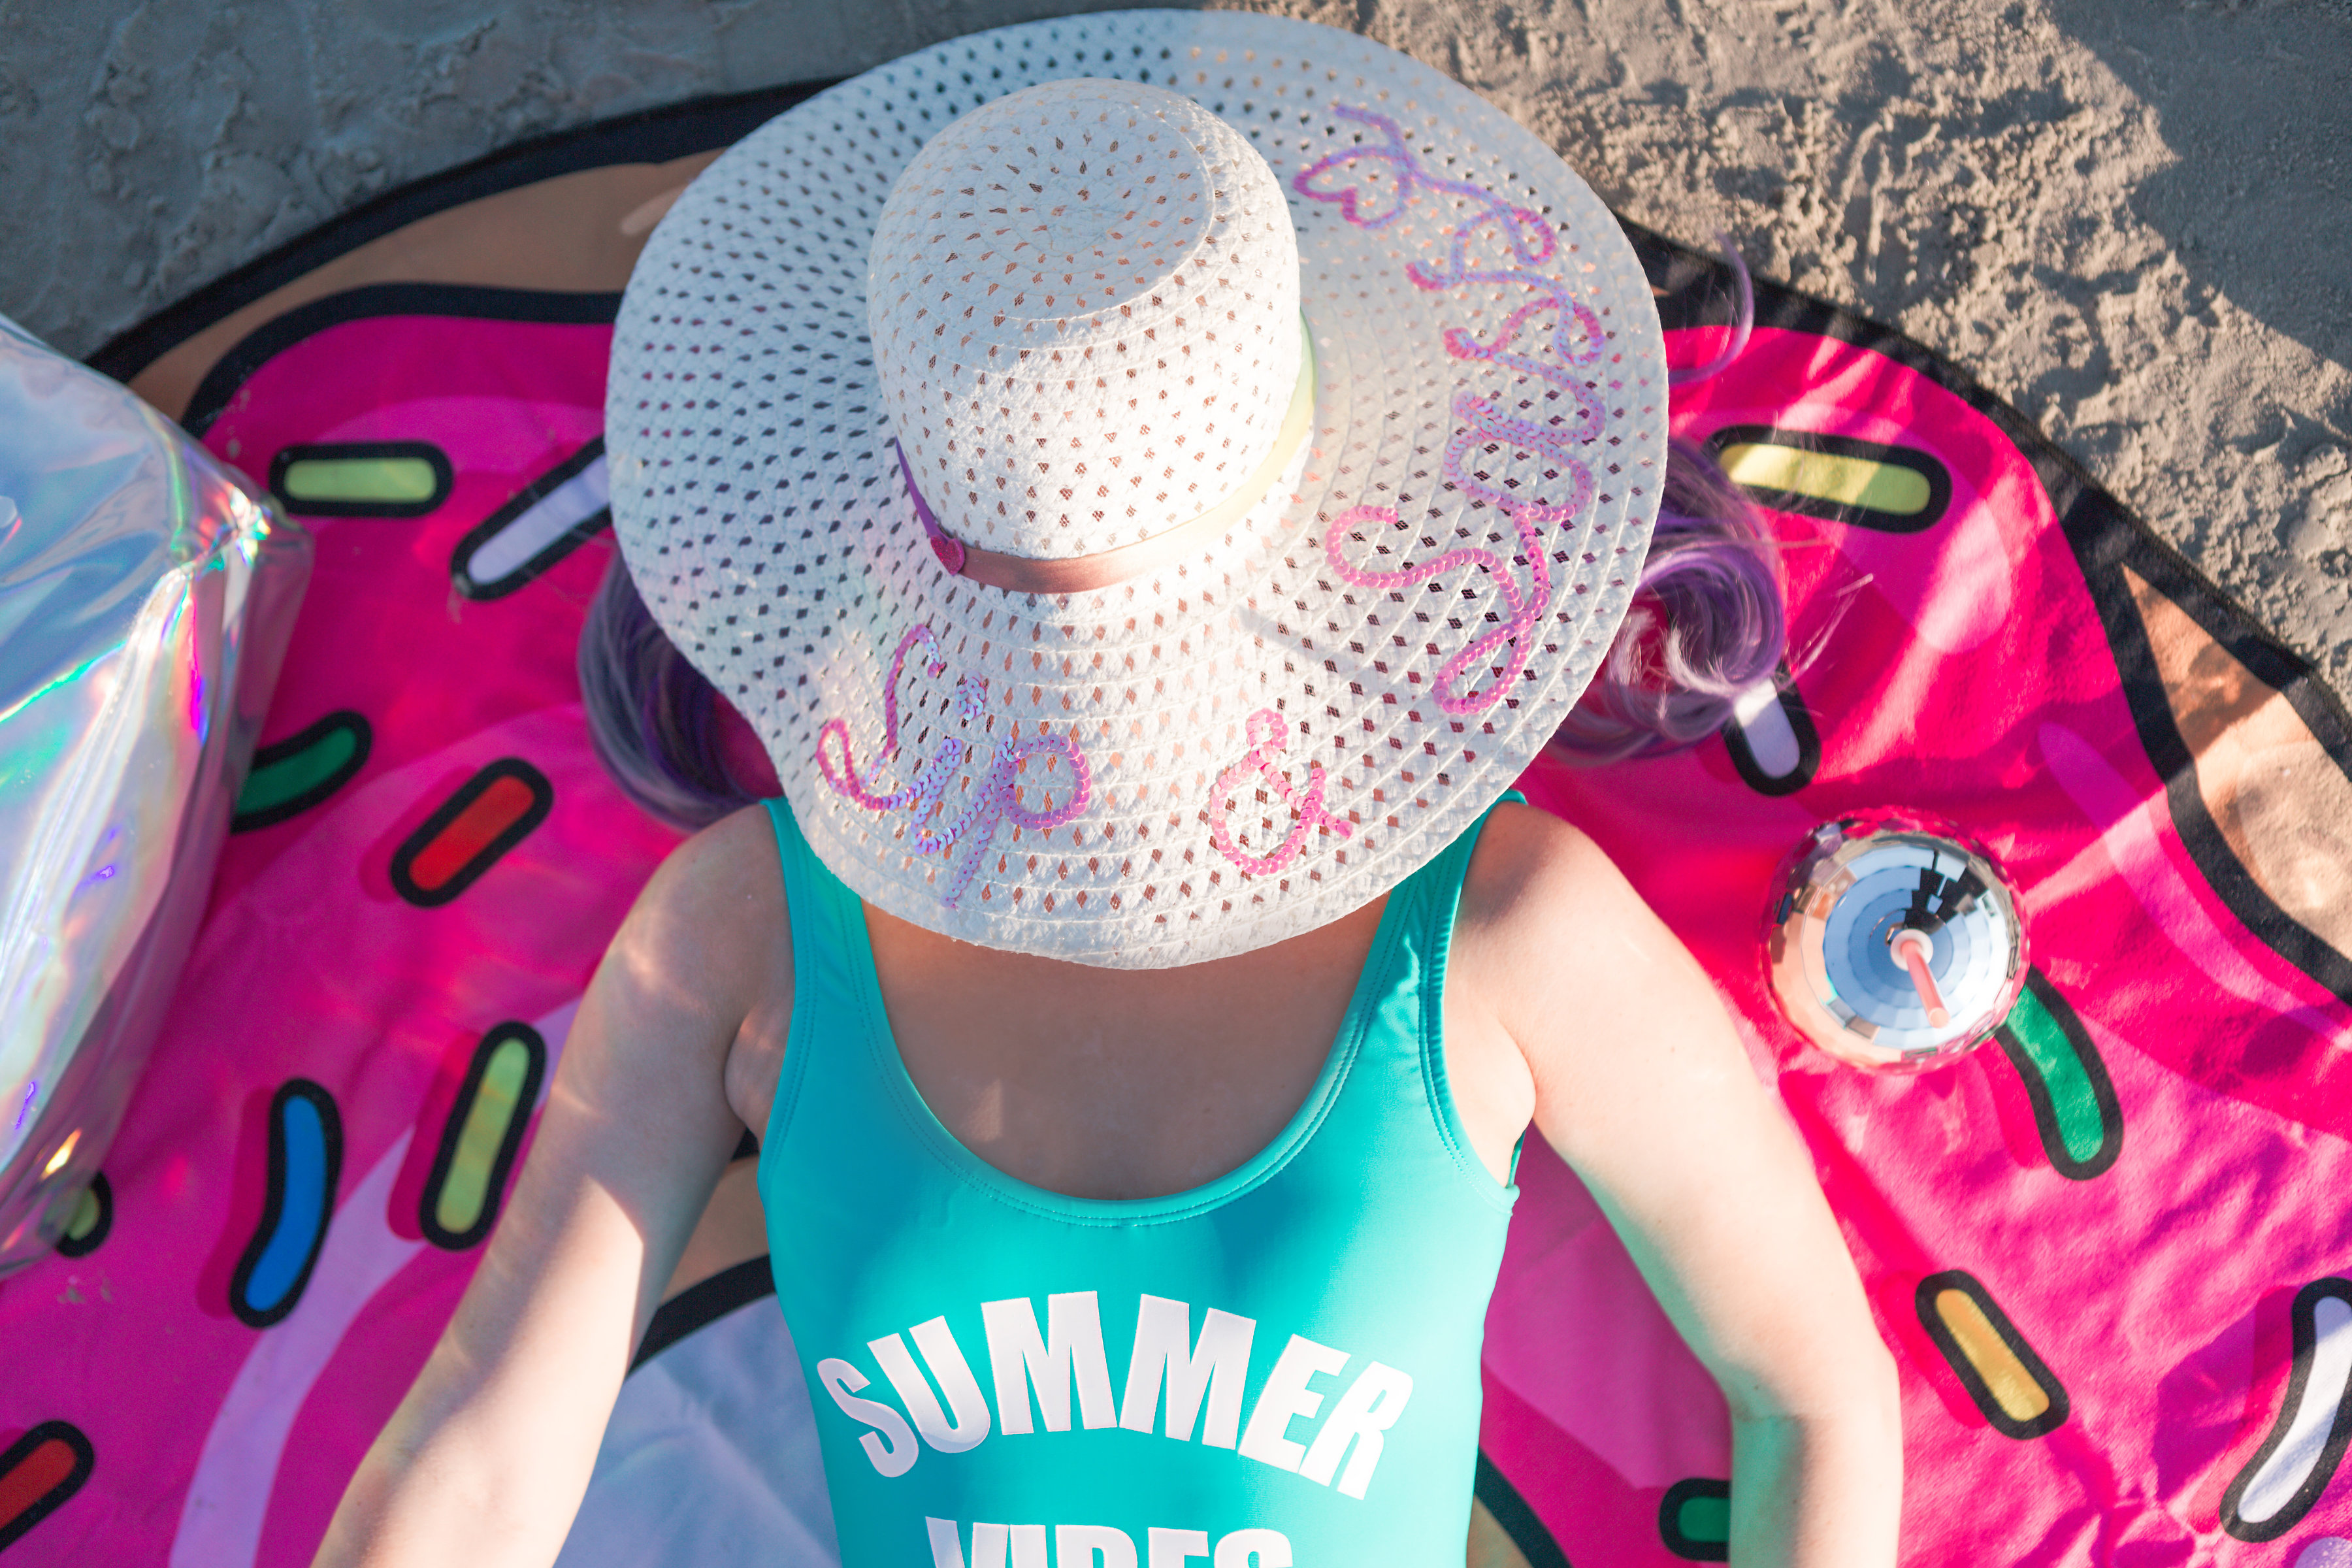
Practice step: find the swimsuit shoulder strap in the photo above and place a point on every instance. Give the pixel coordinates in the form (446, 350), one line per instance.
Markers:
(807, 884)
(1440, 881)
(1397, 1096)
(828, 930)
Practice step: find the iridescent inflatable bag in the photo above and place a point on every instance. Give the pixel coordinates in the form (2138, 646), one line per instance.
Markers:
(145, 600)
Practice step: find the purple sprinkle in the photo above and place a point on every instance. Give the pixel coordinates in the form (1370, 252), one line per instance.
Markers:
(31, 1089)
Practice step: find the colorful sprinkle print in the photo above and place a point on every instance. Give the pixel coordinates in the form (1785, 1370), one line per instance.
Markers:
(1894, 490)
(1695, 1520)
(1771, 740)
(93, 1217)
(483, 1134)
(547, 520)
(2074, 1105)
(38, 1472)
(2292, 1469)
(290, 777)
(305, 1153)
(2009, 1382)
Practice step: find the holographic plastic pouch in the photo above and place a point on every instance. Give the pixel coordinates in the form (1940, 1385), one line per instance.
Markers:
(145, 600)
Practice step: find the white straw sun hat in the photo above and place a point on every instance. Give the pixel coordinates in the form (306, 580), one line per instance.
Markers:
(1150, 479)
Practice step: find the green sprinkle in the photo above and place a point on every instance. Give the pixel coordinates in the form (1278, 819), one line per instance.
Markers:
(466, 1190)
(2072, 1097)
(85, 1216)
(1847, 481)
(402, 481)
(272, 785)
(1705, 1519)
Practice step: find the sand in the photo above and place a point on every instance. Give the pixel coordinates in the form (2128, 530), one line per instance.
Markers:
(2132, 218)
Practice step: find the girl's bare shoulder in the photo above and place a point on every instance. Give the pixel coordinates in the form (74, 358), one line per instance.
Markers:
(1546, 919)
(1532, 870)
(710, 921)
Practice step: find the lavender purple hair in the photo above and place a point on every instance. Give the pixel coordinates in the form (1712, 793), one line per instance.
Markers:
(1709, 620)
(658, 725)
(1707, 625)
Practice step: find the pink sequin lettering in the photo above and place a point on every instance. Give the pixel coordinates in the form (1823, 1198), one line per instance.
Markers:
(994, 795)
(1481, 428)
(1515, 629)
(1268, 736)
(1576, 337)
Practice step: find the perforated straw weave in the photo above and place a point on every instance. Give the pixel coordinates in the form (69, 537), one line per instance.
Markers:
(1087, 352)
(1308, 701)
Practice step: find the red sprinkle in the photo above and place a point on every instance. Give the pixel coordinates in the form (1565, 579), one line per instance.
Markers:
(35, 1477)
(490, 814)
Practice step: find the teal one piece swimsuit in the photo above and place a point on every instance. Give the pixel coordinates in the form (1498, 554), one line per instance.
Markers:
(1279, 1368)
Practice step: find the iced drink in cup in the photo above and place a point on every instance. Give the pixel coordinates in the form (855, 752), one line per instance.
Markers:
(1894, 943)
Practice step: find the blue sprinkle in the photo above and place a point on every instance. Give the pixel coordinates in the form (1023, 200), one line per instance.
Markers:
(302, 1212)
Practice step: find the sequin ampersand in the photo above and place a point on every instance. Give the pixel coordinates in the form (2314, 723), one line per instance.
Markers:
(994, 796)
(1268, 736)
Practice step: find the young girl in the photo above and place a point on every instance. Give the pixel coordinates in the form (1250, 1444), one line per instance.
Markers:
(1148, 531)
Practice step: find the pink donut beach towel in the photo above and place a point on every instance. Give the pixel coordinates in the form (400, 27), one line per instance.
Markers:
(2104, 1248)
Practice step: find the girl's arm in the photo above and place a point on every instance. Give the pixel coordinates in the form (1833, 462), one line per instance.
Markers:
(1637, 1077)
(486, 1458)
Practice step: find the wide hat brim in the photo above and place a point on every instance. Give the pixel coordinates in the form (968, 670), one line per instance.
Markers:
(1252, 740)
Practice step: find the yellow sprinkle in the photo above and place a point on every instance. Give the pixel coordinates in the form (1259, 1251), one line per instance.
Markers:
(2014, 1389)
(402, 480)
(64, 1151)
(1847, 481)
(466, 1188)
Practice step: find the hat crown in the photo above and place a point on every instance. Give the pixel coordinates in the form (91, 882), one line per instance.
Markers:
(1083, 305)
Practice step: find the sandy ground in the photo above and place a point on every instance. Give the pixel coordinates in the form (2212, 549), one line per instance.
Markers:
(2133, 218)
